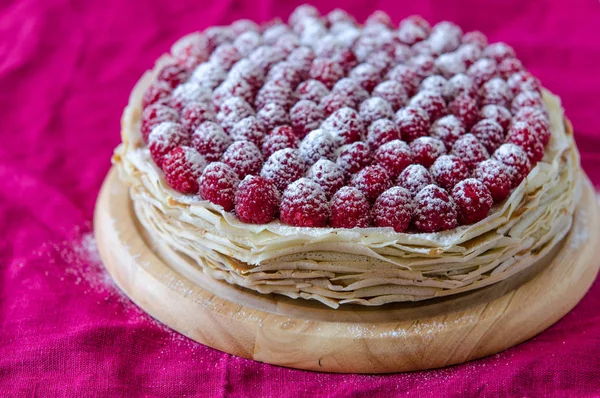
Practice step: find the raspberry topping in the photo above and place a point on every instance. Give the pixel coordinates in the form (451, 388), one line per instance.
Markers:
(248, 129)
(371, 181)
(448, 170)
(312, 90)
(334, 101)
(256, 200)
(304, 204)
(470, 150)
(350, 209)
(280, 138)
(448, 129)
(489, 133)
(482, 70)
(326, 71)
(406, 76)
(380, 132)
(509, 66)
(414, 178)
(210, 140)
(187, 93)
(316, 145)
(328, 175)
(499, 52)
(434, 83)
(393, 208)
(306, 117)
(190, 50)
(425, 150)
(165, 137)
(522, 134)
(352, 89)
(367, 75)
(516, 160)
(537, 120)
(353, 157)
(495, 91)
(158, 93)
(527, 99)
(155, 114)
(495, 176)
(283, 167)
(346, 125)
(431, 102)
(459, 84)
(473, 201)
(475, 37)
(434, 210)
(413, 122)
(464, 108)
(497, 113)
(174, 75)
(374, 109)
(273, 115)
(218, 184)
(523, 81)
(393, 92)
(196, 113)
(243, 157)
(394, 157)
(182, 167)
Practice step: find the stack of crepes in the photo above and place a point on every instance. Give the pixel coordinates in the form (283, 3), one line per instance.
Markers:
(370, 266)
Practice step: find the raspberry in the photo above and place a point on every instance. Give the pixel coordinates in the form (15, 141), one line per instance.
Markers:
(288, 43)
(482, 70)
(489, 133)
(352, 89)
(243, 157)
(382, 61)
(371, 181)
(217, 35)
(225, 55)
(509, 66)
(158, 93)
(155, 114)
(379, 17)
(280, 138)
(526, 99)
(393, 92)
(190, 50)
(346, 125)
(256, 200)
(346, 59)
(523, 81)
(283, 167)
(499, 52)
(469, 53)
(275, 93)
(272, 115)
(272, 33)
(414, 178)
(426, 48)
(247, 42)
(470, 150)
(304, 204)
(301, 12)
(249, 72)
(232, 111)
(303, 58)
(537, 120)
(458, 85)
(232, 88)
(475, 37)
(393, 209)
(434, 83)
(173, 74)
(380, 132)
(248, 129)
(496, 92)
(516, 160)
(402, 53)
(335, 101)
(350, 209)
(210, 140)
(473, 201)
(265, 57)
(522, 134)
(495, 176)
(374, 109)
(326, 71)
(209, 75)
(243, 25)
(312, 90)
(353, 157)
(445, 37)
(366, 75)
(188, 93)
(465, 108)
(497, 113)
(318, 144)
(448, 129)
(434, 210)
(413, 123)
(424, 65)
(165, 137)
(411, 32)
(407, 76)
(448, 170)
(285, 73)
(306, 117)
(338, 16)
(183, 166)
(218, 184)
(196, 113)
(430, 102)
(425, 150)
(450, 64)
(394, 157)
(328, 175)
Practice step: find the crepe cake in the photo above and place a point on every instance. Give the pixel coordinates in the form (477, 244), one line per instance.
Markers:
(348, 163)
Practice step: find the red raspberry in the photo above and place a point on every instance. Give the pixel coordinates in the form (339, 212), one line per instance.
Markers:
(232, 87)
(283, 167)
(445, 36)
(366, 75)
(393, 209)
(473, 201)
(482, 70)
(350, 209)
(279, 138)
(497, 113)
(379, 17)
(451, 64)
(188, 93)
(424, 47)
(374, 109)
(302, 12)
(353, 157)
(346, 58)
(509, 66)
(413, 123)
(303, 58)
(183, 166)
(304, 204)
(306, 117)
(326, 71)
(334, 101)
(173, 74)
(410, 32)
(495, 176)
(225, 55)
(243, 25)
(537, 120)
(522, 134)
(210, 140)
(217, 35)
(469, 53)
(218, 184)
(243, 157)
(328, 175)
(190, 50)
(256, 200)
(516, 160)
(248, 129)
(371, 181)
(489, 133)
(266, 56)
(232, 111)
(209, 75)
(394, 156)
(380, 132)
(196, 113)
(272, 115)
(470, 150)
(346, 126)
(274, 93)
(338, 16)
(312, 90)
(458, 85)
(527, 99)
(495, 91)
(352, 89)
(158, 93)
(430, 102)
(434, 210)
(434, 83)
(407, 76)
(448, 129)
(246, 70)
(424, 65)
(246, 42)
(165, 137)
(414, 178)
(382, 61)
(425, 150)
(154, 115)
(523, 81)
(499, 52)
(393, 92)
(402, 53)
(318, 144)
(475, 37)
(448, 170)
(285, 73)
(465, 108)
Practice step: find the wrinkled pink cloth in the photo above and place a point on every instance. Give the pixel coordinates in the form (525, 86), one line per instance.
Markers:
(66, 70)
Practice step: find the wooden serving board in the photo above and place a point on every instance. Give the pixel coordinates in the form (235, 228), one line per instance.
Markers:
(307, 335)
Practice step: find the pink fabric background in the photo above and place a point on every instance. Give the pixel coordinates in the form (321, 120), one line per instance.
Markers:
(66, 69)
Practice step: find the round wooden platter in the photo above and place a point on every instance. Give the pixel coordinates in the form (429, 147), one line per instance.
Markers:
(351, 339)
